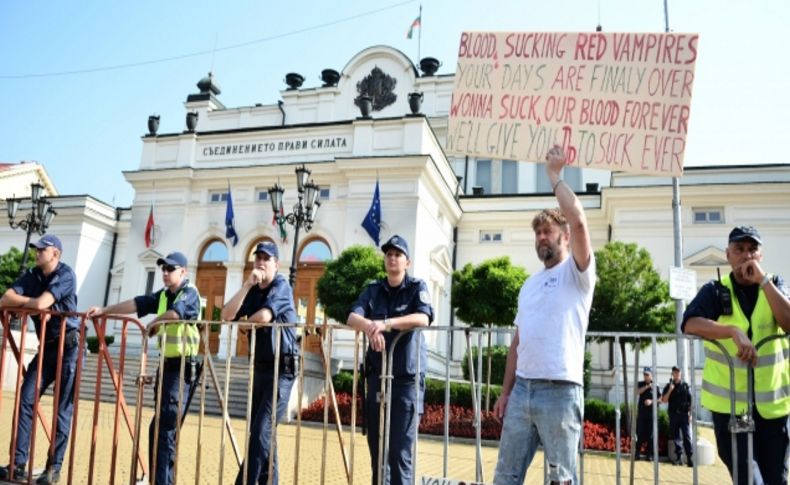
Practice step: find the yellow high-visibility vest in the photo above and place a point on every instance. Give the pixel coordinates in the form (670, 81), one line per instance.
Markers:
(771, 375)
(175, 345)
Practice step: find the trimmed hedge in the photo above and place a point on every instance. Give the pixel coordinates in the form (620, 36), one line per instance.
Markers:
(92, 342)
(498, 355)
(460, 392)
(601, 412)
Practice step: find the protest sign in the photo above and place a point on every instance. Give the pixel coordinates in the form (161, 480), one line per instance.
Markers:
(614, 101)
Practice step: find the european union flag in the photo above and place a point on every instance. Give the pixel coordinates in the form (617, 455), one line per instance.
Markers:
(372, 220)
(230, 230)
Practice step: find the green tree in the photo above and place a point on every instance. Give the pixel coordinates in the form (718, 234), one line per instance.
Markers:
(9, 266)
(630, 296)
(345, 277)
(487, 295)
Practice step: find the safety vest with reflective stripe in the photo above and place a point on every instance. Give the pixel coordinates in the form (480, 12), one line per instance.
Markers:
(771, 374)
(174, 331)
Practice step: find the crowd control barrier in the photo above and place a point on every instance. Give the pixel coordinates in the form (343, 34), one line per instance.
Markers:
(108, 446)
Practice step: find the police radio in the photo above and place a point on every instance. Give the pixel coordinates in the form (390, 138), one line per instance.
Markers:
(724, 296)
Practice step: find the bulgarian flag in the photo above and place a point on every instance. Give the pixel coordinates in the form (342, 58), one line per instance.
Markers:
(417, 23)
(149, 228)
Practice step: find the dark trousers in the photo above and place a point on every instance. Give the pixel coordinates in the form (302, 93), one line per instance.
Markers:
(405, 413)
(260, 445)
(771, 450)
(680, 433)
(65, 404)
(644, 432)
(168, 419)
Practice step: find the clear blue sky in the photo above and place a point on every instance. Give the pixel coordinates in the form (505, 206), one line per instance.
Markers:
(85, 128)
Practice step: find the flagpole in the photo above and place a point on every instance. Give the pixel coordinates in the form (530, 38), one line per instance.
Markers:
(419, 35)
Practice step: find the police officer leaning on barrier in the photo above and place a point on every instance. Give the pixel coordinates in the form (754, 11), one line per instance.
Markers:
(52, 285)
(739, 311)
(384, 309)
(266, 297)
(178, 302)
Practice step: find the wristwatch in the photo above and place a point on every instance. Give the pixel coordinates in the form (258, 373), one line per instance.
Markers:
(765, 281)
(387, 325)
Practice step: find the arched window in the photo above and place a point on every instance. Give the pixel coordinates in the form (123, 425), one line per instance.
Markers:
(315, 251)
(214, 252)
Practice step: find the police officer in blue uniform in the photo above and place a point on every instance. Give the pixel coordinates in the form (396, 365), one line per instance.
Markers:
(384, 310)
(52, 285)
(266, 297)
(178, 303)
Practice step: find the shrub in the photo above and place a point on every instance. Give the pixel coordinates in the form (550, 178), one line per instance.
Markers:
(93, 342)
(460, 392)
(498, 355)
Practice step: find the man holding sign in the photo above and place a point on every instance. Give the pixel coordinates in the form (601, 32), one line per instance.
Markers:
(542, 396)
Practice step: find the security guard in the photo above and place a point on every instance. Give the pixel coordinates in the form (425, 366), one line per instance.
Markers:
(52, 285)
(740, 310)
(384, 309)
(266, 297)
(180, 301)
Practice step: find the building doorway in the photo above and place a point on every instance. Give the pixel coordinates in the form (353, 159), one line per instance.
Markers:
(312, 259)
(210, 281)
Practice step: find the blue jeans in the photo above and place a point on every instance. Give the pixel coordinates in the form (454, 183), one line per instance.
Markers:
(168, 420)
(540, 411)
(65, 404)
(260, 446)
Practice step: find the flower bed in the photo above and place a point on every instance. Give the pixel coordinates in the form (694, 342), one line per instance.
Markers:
(596, 436)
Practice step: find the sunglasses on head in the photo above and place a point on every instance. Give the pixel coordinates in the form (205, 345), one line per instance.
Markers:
(169, 268)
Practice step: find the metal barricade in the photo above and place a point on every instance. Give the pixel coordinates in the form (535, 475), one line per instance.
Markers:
(210, 445)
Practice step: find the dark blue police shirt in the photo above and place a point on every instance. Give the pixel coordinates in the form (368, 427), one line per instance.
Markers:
(278, 298)
(707, 305)
(62, 284)
(379, 301)
(187, 305)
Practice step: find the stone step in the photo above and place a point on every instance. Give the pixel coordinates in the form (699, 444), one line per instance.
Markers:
(237, 400)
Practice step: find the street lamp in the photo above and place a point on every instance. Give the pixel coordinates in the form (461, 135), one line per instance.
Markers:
(304, 210)
(37, 220)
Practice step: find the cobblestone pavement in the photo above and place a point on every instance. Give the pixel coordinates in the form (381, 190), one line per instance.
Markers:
(204, 456)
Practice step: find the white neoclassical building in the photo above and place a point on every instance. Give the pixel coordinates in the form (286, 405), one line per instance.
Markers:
(452, 211)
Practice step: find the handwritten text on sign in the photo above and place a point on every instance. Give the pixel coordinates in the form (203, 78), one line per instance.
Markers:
(616, 101)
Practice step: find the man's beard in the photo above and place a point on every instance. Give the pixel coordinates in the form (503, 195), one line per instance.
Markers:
(545, 253)
(549, 251)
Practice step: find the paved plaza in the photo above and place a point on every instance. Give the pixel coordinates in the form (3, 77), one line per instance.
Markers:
(317, 463)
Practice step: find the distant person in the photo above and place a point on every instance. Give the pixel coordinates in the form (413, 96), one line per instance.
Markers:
(178, 303)
(542, 398)
(648, 392)
(678, 395)
(266, 297)
(386, 308)
(51, 285)
(745, 307)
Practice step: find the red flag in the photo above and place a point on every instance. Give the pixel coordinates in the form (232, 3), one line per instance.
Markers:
(149, 228)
